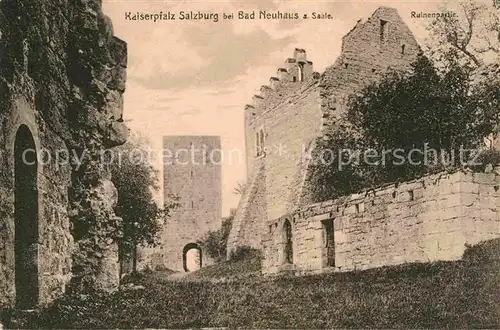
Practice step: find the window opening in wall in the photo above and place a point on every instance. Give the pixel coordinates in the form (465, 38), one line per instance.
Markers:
(294, 79)
(403, 49)
(346, 65)
(287, 228)
(329, 240)
(383, 30)
(360, 207)
(260, 143)
(301, 72)
(394, 194)
(257, 144)
(262, 140)
(411, 195)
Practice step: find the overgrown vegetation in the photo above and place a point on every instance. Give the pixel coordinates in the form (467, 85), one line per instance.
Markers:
(405, 126)
(460, 294)
(214, 242)
(243, 263)
(136, 180)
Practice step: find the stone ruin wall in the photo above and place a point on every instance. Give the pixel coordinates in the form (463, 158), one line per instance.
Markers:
(294, 114)
(290, 103)
(367, 54)
(62, 76)
(199, 189)
(425, 220)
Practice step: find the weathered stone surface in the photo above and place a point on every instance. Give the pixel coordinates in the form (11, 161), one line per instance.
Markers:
(390, 232)
(59, 63)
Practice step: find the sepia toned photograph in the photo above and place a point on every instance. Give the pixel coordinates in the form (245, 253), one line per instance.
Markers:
(249, 164)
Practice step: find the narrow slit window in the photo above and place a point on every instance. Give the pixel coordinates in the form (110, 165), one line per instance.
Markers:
(383, 30)
(301, 72)
(257, 144)
(261, 143)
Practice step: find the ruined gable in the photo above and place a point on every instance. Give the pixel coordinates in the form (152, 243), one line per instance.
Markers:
(372, 48)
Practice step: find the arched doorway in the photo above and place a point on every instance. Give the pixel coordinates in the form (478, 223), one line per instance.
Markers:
(26, 219)
(192, 258)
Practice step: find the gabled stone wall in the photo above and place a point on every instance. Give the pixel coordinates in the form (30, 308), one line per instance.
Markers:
(294, 113)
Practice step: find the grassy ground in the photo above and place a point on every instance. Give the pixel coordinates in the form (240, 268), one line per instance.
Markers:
(462, 294)
(246, 265)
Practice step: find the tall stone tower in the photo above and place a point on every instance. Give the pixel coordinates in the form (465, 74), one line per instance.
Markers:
(192, 172)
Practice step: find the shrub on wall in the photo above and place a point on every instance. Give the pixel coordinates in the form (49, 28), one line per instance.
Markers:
(214, 243)
(135, 180)
(485, 158)
(406, 126)
(244, 253)
(5, 195)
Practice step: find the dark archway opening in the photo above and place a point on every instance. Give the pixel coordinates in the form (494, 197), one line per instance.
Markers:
(192, 258)
(26, 219)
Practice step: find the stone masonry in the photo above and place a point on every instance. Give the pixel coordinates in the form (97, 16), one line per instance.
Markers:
(62, 76)
(429, 219)
(300, 106)
(192, 173)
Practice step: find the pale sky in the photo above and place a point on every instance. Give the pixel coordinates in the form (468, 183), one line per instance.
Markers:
(195, 77)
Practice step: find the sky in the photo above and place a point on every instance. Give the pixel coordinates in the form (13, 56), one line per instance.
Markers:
(195, 77)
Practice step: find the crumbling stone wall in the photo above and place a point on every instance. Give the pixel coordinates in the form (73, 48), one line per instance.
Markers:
(287, 112)
(252, 210)
(300, 106)
(429, 219)
(371, 49)
(62, 75)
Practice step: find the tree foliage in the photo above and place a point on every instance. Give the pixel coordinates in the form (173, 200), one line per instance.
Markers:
(425, 110)
(472, 35)
(214, 243)
(136, 180)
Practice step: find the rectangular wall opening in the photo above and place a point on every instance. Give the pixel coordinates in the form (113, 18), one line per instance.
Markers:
(383, 30)
(329, 242)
